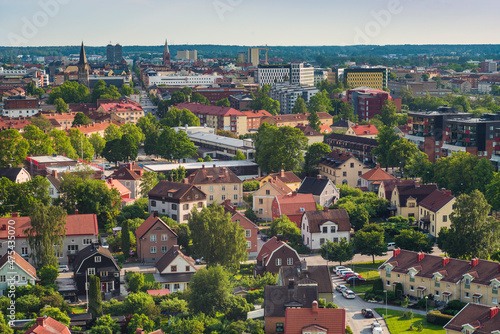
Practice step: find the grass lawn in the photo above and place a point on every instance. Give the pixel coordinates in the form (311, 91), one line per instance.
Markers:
(361, 288)
(398, 325)
(367, 270)
(149, 278)
(79, 309)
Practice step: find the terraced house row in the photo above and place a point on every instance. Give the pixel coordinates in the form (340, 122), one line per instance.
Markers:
(476, 281)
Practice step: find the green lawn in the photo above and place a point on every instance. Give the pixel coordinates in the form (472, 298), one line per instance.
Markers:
(398, 325)
(367, 270)
(149, 278)
(361, 288)
(79, 309)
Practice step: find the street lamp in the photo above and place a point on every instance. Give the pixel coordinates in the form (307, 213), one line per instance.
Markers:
(426, 304)
(385, 305)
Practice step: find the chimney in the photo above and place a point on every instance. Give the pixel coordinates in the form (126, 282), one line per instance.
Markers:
(315, 306)
(155, 214)
(40, 321)
(282, 173)
(420, 256)
(493, 311)
(186, 180)
(76, 211)
(396, 252)
(279, 237)
(14, 214)
(318, 177)
(474, 262)
(291, 283)
(139, 331)
(445, 261)
(54, 173)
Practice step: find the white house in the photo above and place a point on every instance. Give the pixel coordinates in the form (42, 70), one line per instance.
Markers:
(323, 190)
(319, 226)
(174, 270)
(16, 175)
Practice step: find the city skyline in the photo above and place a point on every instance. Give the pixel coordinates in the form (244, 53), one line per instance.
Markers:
(239, 22)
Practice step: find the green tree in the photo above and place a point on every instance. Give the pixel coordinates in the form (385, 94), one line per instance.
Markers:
(386, 138)
(128, 147)
(226, 133)
(418, 165)
(136, 282)
(279, 148)
(239, 156)
(140, 321)
(174, 305)
(250, 214)
(314, 154)
(264, 102)
(13, 148)
(402, 151)
(187, 91)
(471, 226)
(125, 238)
(22, 197)
(48, 274)
(314, 121)
(97, 143)
(425, 77)
(70, 92)
(388, 114)
(56, 314)
(217, 238)
(346, 111)
(209, 291)
(223, 103)
(414, 241)
(134, 131)
(285, 227)
(237, 308)
(140, 303)
(101, 91)
(198, 98)
(492, 193)
(62, 144)
(112, 132)
(46, 234)
(126, 90)
(95, 301)
(41, 122)
(104, 325)
(61, 106)
(370, 241)
(81, 144)
(175, 145)
(318, 100)
(4, 327)
(80, 119)
(112, 151)
(176, 175)
(337, 252)
(39, 142)
(148, 181)
(300, 106)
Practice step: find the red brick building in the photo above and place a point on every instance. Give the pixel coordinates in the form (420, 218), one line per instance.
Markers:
(154, 239)
(254, 118)
(275, 254)
(367, 102)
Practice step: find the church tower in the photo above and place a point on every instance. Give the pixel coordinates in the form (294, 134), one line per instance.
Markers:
(166, 55)
(83, 68)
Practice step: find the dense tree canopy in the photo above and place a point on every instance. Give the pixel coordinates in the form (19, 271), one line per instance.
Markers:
(179, 117)
(70, 92)
(13, 148)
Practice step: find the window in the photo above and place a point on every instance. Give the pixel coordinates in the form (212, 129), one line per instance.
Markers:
(223, 197)
(278, 261)
(412, 288)
(200, 204)
(185, 206)
(97, 259)
(235, 187)
(248, 233)
(333, 229)
(185, 217)
(445, 218)
(249, 245)
(153, 203)
(388, 283)
(152, 238)
(352, 165)
(289, 261)
(152, 249)
(174, 217)
(223, 188)
(177, 286)
(359, 173)
(164, 237)
(173, 269)
(280, 327)
(467, 295)
(3, 278)
(211, 188)
(103, 273)
(174, 206)
(336, 240)
(325, 229)
(91, 271)
(164, 249)
(344, 173)
(211, 198)
(87, 241)
(268, 192)
(24, 251)
(235, 197)
(321, 241)
(436, 293)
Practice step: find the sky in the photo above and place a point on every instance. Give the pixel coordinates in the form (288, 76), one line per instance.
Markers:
(247, 22)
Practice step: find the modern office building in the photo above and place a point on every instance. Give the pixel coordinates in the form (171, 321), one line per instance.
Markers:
(302, 74)
(273, 74)
(287, 94)
(253, 56)
(187, 55)
(374, 77)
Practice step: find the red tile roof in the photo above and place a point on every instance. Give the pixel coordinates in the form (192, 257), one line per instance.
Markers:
(377, 174)
(436, 200)
(256, 113)
(299, 117)
(121, 106)
(318, 217)
(20, 261)
(81, 224)
(270, 246)
(115, 184)
(159, 292)
(297, 320)
(96, 126)
(325, 128)
(363, 130)
(295, 204)
(203, 109)
(47, 326)
(308, 131)
(286, 177)
(128, 172)
(213, 175)
(148, 223)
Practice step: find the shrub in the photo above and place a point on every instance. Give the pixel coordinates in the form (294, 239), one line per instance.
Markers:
(438, 318)
(348, 330)
(455, 305)
(378, 286)
(254, 295)
(421, 303)
(391, 296)
(251, 185)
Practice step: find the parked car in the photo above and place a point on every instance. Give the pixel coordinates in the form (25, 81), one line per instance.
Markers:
(367, 313)
(376, 328)
(354, 280)
(199, 261)
(63, 269)
(346, 276)
(263, 237)
(340, 272)
(340, 288)
(349, 294)
(337, 268)
(391, 245)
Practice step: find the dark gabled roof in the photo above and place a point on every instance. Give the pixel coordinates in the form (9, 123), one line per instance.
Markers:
(90, 251)
(353, 139)
(10, 172)
(343, 124)
(174, 190)
(148, 223)
(389, 186)
(417, 192)
(478, 316)
(311, 274)
(55, 181)
(336, 158)
(276, 297)
(313, 185)
(170, 256)
(269, 247)
(213, 175)
(125, 173)
(319, 217)
(436, 200)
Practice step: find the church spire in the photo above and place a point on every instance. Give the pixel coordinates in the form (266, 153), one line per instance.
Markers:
(166, 54)
(83, 68)
(83, 57)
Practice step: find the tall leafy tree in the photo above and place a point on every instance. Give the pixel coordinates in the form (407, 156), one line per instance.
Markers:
(386, 139)
(112, 132)
(70, 92)
(418, 165)
(46, 234)
(13, 148)
(21, 197)
(175, 145)
(125, 238)
(314, 121)
(345, 111)
(61, 106)
(388, 113)
(141, 321)
(217, 238)
(41, 122)
(112, 151)
(471, 226)
(318, 100)
(198, 98)
(134, 131)
(62, 144)
(179, 117)
(223, 103)
(239, 156)
(414, 241)
(402, 151)
(95, 299)
(492, 193)
(128, 147)
(80, 119)
(209, 291)
(39, 142)
(97, 142)
(81, 144)
(337, 252)
(264, 102)
(314, 154)
(370, 241)
(300, 106)
(148, 181)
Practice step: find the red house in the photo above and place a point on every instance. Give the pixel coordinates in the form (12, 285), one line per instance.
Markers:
(251, 230)
(275, 254)
(314, 320)
(293, 206)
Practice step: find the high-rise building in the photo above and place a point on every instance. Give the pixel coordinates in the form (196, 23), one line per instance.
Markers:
(375, 77)
(253, 56)
(302, 74)
(488, 66)
(83, 68)
(110, 53)
(166, 55)
(118, 53)
(273, 74)
(242, 57)
(190, 55)
(288, 94)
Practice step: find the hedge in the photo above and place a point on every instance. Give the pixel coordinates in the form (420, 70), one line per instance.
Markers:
(438, 318)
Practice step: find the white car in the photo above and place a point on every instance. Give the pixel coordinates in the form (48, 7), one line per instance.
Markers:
(340, 272)
(349, 294)
(376, 328)
(337, 268)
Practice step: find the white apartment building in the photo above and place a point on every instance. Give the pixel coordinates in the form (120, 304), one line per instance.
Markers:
(184, 80)
(302, 74)
(273, 74)
(288, 94)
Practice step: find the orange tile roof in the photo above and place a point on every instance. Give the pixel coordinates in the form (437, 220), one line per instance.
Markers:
(377, 174)
(363, 130)
(115, 184)
(256, 113)
(325, 128)
(293, 203)
(298, 319)
(96, 126)
(121, 106)
(47, 326)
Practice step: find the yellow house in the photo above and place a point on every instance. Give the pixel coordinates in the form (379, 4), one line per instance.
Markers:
(405, 199)
(288, 178)
(475, 318)
(342, 168)
(263, 198)
(366, 131)
(297, 119)
(435, 210)
(219, 184)
(476, 281)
